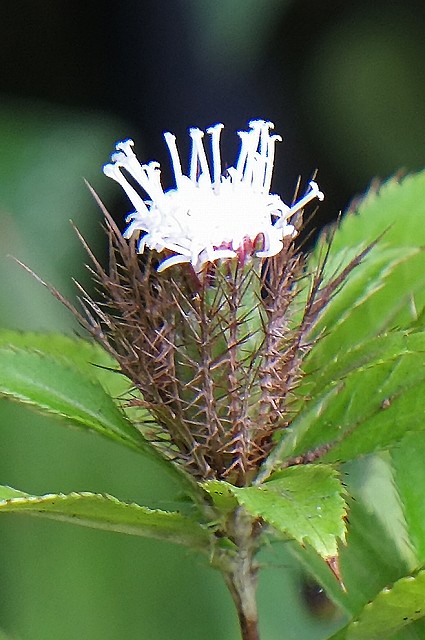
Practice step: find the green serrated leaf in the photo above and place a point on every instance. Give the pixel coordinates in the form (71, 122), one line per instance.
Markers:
(393, 609)
(102, 511)
(373, 556)
(54, 387)
(366, 353)
(7, 493)
(222, 495)
(383, 292)
(376, 403)
(397, 208)
(387, 289)
(87, 355)
(304, 502)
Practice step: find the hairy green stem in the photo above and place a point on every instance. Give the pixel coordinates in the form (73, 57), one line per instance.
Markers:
(241, 576)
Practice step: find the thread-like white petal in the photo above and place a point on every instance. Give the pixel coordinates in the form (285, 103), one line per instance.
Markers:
(208, 216)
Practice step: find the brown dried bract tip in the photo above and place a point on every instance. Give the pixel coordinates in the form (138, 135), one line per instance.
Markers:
(333, 564)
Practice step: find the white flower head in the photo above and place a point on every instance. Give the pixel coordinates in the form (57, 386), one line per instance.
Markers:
(210, 214)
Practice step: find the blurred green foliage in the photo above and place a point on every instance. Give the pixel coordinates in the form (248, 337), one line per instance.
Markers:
(359, 98)
(364, 79)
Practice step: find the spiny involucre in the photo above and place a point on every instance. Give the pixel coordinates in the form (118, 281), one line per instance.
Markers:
(201, 303)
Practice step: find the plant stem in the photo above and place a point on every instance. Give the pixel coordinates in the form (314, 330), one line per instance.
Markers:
(241, 578)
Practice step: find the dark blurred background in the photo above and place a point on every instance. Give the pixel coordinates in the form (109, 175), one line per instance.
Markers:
(344, 84)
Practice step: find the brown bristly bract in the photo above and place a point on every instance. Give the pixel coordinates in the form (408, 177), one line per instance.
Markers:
(215, 357)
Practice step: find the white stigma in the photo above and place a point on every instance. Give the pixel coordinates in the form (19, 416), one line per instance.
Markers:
(209, 215)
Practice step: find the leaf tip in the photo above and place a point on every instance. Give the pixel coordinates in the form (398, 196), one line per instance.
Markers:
(333, 564)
